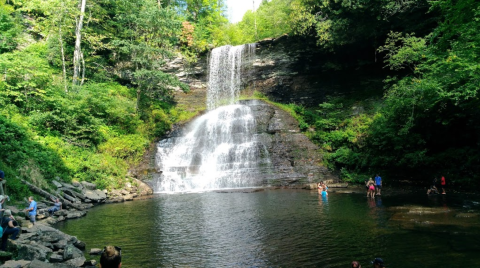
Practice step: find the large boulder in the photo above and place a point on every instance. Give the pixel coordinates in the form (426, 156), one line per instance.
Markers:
(76, 262)
(71, 252)
(75, 214)
(16, 264)
(33, 251)
(143, 188)
(88, 185)
(95, 195)
(41, 264)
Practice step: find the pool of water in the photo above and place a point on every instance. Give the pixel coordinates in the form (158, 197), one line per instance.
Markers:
(286, 228)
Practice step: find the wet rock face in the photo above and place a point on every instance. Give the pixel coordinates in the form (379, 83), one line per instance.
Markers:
(294, 158)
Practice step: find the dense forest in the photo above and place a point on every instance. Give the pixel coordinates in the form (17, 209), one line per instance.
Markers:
(83, 94)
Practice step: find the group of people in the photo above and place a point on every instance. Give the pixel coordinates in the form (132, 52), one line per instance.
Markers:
(377, 263)
(374, 187)
(9, 224)
(433, 187)
(322, 189)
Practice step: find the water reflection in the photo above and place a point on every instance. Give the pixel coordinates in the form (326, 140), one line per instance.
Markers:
(281, 228)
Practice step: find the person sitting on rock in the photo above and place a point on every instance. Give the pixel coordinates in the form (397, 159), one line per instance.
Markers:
(8, 228)
(57, 205)
(111, 257)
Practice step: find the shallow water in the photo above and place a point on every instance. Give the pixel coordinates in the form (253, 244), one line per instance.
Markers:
(286, 228)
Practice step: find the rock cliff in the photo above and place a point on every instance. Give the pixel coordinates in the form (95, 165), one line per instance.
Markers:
(287, 70)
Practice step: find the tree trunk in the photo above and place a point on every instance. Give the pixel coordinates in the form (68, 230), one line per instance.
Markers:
(159, 4)
(63, 57)
(77, 54)
(138, 101)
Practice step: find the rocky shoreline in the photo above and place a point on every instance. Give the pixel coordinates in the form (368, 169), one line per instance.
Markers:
(43, 246)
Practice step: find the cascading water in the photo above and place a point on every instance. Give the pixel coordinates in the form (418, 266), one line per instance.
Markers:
(219, 149)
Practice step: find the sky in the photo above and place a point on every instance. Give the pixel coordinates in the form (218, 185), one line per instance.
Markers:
(237, 8)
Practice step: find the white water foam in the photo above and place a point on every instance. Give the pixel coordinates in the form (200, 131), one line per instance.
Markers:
(219, 149)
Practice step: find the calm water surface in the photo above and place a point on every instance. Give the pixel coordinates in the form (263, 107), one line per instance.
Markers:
(286, 228)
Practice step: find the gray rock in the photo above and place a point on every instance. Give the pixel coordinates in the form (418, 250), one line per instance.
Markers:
(57, 184)
(75, 214)
(95, 195)
(56, 258)
(88, 185)
(16, 264)
(67, 185)
(61, 212)
(95, 251)
(90, 263)
(76, 262)
(33, 251)
(41, 205)
(80, 245)
(71, 252)
(78, 185)
(128, 197)
(41, 264)
(117, 199)
(60, 244)
(13, 209)
(69, 198)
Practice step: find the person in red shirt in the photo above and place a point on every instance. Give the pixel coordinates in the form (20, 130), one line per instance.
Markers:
(443, 183)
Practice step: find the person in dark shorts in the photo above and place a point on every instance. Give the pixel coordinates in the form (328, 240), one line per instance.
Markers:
(111, 257)
(8, 228)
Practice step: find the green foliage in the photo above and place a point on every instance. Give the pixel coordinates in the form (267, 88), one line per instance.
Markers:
(356, 22)
(9, 30)
(271, 19)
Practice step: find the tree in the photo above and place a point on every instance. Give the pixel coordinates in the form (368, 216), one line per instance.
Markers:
(78, 59)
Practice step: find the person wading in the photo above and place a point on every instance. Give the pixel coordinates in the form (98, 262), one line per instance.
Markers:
(111, 257)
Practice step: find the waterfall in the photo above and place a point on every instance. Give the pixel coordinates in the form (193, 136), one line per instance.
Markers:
(220, 149)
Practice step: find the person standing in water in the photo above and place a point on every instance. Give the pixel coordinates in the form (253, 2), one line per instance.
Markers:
(111, 257)
(371, 188)
(378, 184)
(444, 184)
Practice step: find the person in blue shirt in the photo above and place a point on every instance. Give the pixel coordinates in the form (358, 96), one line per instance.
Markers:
(378, 184)
(32, 210)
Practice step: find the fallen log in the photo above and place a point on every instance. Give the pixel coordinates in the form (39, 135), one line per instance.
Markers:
(46, 194)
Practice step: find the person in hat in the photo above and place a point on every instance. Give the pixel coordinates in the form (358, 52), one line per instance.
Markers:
(111, 257)
(378, 263)
(8, 228)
